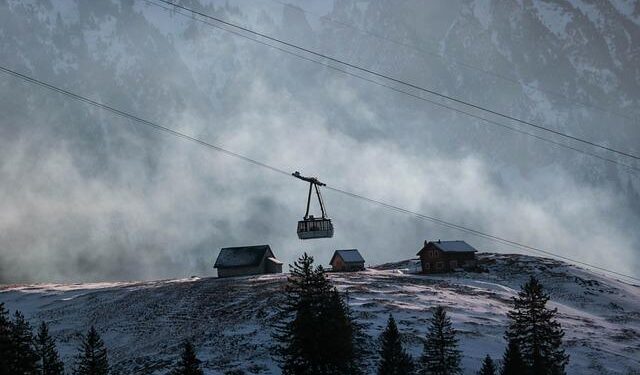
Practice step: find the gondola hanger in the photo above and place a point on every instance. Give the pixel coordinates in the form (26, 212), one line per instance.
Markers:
(311, 227)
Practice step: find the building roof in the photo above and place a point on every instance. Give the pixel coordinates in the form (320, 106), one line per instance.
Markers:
(451, 246)
(244, 256)
(348, 256)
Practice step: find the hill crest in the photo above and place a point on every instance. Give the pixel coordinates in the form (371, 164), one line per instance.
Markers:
(230, 319)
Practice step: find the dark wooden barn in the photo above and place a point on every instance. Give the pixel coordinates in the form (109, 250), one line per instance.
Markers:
(247, 260)
(446, 256)
(347, 260)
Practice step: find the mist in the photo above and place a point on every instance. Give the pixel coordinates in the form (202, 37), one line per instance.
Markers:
(86, 195)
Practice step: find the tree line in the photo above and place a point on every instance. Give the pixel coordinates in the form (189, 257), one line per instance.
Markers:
(316, 334)
(23, 353)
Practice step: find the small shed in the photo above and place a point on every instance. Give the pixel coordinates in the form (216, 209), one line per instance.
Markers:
(247, 260)
(347, 260)
(446, 256)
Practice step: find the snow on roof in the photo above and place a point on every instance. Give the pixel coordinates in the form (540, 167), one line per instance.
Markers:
(274, 260)
(348, 256)
(244, 256)
(452, 246)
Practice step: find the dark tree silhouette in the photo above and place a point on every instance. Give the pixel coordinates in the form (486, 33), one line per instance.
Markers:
(316, 334)
(512, 363)
(441, 355)
(534, 328)
(488, 367)
(48, 359)
(189, 363)
(394, 360)
(6, 342)
(340, 335)
(24, 353)
(92, 355)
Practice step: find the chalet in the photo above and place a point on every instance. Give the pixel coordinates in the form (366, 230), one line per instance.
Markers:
(347, 260)
(247, 260)
(446, 256)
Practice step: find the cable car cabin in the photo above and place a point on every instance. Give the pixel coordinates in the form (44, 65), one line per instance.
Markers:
(315, 227)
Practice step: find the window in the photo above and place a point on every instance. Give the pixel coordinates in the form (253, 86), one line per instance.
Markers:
(453, 264)
(439, 265)
(427, 266)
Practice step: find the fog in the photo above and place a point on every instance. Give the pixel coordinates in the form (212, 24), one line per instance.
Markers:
(86, 195)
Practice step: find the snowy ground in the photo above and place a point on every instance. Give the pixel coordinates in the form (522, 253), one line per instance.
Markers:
(230, 319)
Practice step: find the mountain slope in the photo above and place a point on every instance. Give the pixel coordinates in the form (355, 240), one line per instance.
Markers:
(230, 319)
(96, 188)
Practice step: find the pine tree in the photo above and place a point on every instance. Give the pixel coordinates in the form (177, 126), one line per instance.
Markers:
(512, 363)
(441, 355)
(316, 334)
(24, 353)
(488, 368)
(48, 360)
(295, 334)
(6, 342)
(534, 328)
(338, 336)
(92, 355)
(189, 364)
(394, 360)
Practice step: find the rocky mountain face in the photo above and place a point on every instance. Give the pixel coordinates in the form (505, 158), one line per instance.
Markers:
(109, 199)
(231, 320)
(570, 65)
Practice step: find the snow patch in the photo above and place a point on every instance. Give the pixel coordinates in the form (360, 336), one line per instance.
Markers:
(231, 320)
(553, 17)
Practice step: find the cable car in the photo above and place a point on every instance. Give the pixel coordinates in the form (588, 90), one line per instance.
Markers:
(311, 227)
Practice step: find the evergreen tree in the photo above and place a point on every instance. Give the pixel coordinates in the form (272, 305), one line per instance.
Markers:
(339, 336)
(534, 328)
(24, 359)
(48, 360)
(394, 360)
(441, 355)
(189, 364)
(488, 368)
(295, 335)
(6, 342)
(92, 355)
(512, 363)
(317, 334)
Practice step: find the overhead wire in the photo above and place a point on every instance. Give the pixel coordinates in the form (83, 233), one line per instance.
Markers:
(454, 61)
(398, 81)
(225, 151)
(628, 168)
(135, 118)
(478, 233)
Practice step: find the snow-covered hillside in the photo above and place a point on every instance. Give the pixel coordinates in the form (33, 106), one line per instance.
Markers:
(144, 322)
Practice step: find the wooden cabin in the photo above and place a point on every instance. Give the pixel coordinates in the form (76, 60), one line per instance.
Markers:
(446, 256)
(347, 261)
(247, 260)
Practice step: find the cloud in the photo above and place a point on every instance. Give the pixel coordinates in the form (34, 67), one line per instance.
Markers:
(90, 196)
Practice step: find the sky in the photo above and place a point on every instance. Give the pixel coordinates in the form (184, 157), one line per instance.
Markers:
(86, 195)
